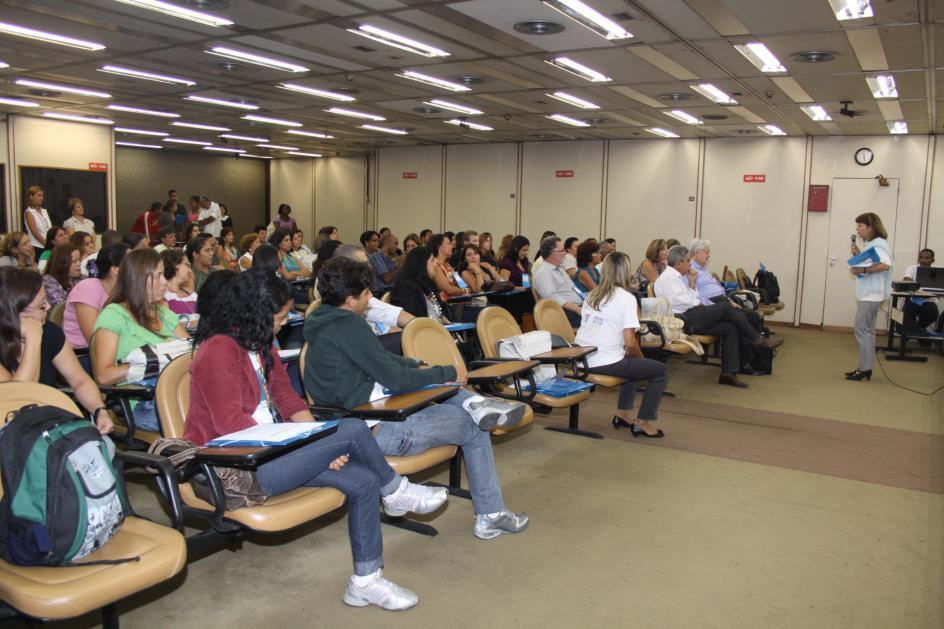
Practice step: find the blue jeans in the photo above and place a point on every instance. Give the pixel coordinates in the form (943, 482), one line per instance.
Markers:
(365, 477)
(449, 424)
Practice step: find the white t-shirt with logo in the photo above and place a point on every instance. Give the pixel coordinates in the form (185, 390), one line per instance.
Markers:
(603, 328)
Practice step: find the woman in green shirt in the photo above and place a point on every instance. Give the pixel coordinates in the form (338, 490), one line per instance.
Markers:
(134, 316)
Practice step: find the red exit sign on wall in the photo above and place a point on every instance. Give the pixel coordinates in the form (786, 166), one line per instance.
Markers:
(755, 178)
(563, 173)
(98, 166)
(409, 175)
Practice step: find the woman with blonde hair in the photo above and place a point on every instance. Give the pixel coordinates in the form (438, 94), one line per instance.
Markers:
(652, 265)
(609, 322)
(873, 286)
(16, 250)
(36, 217)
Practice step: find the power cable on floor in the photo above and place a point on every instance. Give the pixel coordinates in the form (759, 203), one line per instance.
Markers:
(901, 386)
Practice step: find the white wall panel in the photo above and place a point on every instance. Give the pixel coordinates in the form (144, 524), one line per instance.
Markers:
(901, 157)
(340, 195)
(568, 206)
(748, 223)
(936, 211)
(648, 186)
(409, 205)
(481, 183)
(292, 181)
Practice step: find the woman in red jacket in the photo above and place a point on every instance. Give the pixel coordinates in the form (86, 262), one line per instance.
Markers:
(237, 381)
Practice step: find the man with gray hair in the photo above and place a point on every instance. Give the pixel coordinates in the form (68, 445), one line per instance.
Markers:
(677, 284)
(552, 282)
(709, 289)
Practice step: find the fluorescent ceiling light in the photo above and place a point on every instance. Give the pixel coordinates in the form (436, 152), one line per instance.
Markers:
(58, 87)
(851, 9)
(244, 138)
(662, 132)
(816, 112)
(278, 147)
(445, 104)
(17, 102)
(74, 118)
(259, 60)
(687, 118)
(373, 127)
(221, 102)
(397, 41)
(763, 59)
(713, 94)
(570, 99)
(268, 120)
(300, 154)
(147, 76)
(578, 69)
(432, 80)
(568, 120)
(311, 134)
(255, 156)
(159, 134)
(185, 141)
(898, 127)
(882, 86)
(194, 125)
(140, 146)
(341, 111)
(465, 124)
(316, 92)
(771, 129)
(146, 112)
(223, 149)
(52, 38)
(4, 64)
(186, 14)
(589, 17)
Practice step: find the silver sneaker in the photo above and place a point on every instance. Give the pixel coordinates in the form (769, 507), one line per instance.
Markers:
(506, 522)
(490, 413)
(380, 592)
(413, 498)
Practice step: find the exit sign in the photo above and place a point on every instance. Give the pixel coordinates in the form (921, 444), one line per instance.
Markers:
(563, 173)
(755, 178)
(409, 175)
(98, 166)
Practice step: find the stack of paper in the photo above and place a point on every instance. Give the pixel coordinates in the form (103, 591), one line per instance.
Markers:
(272, 434)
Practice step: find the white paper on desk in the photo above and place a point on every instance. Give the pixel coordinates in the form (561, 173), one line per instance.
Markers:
(271, 434)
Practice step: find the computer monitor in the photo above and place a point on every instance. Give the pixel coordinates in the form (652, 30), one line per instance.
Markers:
(930, 278)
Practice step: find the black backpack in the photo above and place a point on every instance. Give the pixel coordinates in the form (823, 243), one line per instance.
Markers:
(62, 498)
(768, 285)
(761, 360)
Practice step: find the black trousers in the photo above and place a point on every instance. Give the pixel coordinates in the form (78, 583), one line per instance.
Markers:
(655, 374)
(574, 318)
(916, 318)
(724, 321)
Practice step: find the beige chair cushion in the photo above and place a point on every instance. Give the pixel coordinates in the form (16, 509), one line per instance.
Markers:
(406, 465)
(605, 381)
(278, 513)
(550, 317)
(527, 420)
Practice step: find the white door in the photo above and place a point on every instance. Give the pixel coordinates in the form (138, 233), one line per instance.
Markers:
(851, 197)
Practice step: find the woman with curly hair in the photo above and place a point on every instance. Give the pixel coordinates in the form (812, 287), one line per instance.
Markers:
(16, 250)
(236, 355)
(63, 272)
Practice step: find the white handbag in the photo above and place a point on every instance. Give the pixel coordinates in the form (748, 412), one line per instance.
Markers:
(524, 346)
(148, 360)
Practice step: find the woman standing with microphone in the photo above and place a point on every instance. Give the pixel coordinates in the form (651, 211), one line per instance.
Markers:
(873, 286)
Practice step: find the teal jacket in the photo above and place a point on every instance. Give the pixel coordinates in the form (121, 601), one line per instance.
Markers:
(344, 359)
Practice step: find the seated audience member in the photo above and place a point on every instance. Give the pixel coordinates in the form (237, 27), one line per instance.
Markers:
(325, 253)
(925, 259)
(588, 275)
(54, 237)
(609, 323)
(346, 366)
(486, 249)
(248, 245)
(109, 236)
(77, 221)
(85, 243)
(538, 258)
(34, 350)
(709, 289)
(268, 259)
(468, 237)
(444, 278)
(370, 241)
(200, 253)
(135, 316)
(190, 231)
(326, 233)
(300, 251)
(137, 241)
(226, 250)
(503, 247)
(652, 265)
(410, 242)
(919, 313)
(236, 354)
(149, 222)
(167, 239)
(425, 235)
(570, 255)
(552, 282)
(607, 247)
(414, 290)
(385, 267)
(514, 265)
(281, 239)
(63, 272)
(89, 296)
(671, 242)
(16, 250)
(178, 274)
(476, 272)
(677, 284)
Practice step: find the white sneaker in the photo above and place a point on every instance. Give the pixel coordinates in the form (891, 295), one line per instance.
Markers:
(413, 498)
(379, 592)
(489, 413)
(506, 522)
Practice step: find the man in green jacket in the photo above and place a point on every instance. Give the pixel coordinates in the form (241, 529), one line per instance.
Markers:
(346, 366)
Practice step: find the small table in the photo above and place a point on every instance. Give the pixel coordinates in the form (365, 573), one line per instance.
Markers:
(897, 320)
(249, 457)
(565, 354)
(398, 407)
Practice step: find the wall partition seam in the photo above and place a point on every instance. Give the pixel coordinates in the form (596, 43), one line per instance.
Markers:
(373, 210)
(928, 190)
(700, 186)
(804, 223)
(314, 199)
(442, 189)
(604, 185)
(111, 212)
(9, 175)
(519, 176)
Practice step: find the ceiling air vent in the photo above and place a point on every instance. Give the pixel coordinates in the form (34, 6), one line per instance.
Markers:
(714, 117)
(674, 96)
(364, 48)
(469, 79)
(539, 27)
(814, 56)
(427, 110)
(216, 5)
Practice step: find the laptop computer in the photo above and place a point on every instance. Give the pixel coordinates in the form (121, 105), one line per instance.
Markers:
(930, 278)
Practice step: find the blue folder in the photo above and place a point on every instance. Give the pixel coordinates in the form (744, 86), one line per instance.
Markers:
(870, 255)
(562, 387)
(321, 427)
(460, 327)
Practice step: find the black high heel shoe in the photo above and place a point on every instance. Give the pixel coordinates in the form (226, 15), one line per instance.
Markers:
(639, 432)
(860, 375)
(618, 422)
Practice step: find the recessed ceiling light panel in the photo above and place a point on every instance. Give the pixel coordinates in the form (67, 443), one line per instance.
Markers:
(270, 120)
(882, 86)
(898, 127)
(465, 124)
(254, 59)
(570, 99)
(851, 9)
(147, 76)
(451, 106)
(713, 94)
(175, 11)
(761, 57)
(221, 102)
(771, 129)
(75, 118)
(159, 134)
(578, 69)
(342, 111)
(311, 134)
(568, 120)
(51, 38)
(434, 81)
(662, 133)
(374, 127)
(196, 125)
(685, 117)
(397, 41)
(816, 113)
(589, 17)
(311, 91)
(145, 112)
(58, 87)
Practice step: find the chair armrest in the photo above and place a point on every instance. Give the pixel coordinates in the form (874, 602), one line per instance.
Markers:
(168, 480)
(564, 355)
(399, 407)
(655, 328)
(327, 411)
(130, 391)
(500, 370)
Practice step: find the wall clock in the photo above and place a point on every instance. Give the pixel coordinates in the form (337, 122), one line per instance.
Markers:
(864, 156)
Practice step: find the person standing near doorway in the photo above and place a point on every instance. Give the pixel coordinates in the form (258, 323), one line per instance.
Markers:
(873, 286)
